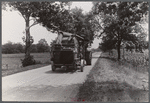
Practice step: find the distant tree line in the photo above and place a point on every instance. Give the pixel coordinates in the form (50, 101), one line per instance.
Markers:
(11, 48)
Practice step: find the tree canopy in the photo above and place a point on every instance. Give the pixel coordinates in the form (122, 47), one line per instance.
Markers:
(34, 11)
(51, 14)
(114, 21)
(72, 21)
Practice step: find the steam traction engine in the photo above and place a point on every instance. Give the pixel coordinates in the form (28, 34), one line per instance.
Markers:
(70, 50)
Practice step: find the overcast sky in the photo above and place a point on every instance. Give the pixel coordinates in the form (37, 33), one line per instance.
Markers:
(13, 26)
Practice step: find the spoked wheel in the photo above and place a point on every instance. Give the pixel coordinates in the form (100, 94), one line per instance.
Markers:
(82, 65)
(53, 68)
(88, 61)
(66, 68)
(75, 66)
(81, 68)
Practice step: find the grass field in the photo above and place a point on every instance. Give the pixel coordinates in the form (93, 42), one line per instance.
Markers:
(11, 63)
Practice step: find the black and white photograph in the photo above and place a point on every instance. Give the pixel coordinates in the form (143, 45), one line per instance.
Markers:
(75, 51)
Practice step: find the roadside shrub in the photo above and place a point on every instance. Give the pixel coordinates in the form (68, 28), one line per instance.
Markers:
(28, 61)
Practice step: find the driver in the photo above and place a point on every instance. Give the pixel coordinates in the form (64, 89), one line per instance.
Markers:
(59, 38)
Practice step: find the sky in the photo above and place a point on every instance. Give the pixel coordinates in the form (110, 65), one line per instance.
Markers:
(13, 26)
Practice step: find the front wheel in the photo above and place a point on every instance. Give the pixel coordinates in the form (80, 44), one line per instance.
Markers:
(89, 62)
(89, 58)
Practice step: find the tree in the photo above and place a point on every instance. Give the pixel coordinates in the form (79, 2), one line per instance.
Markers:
(8, 48)
(114, 20)
(107, 44)
(42, 46)
(54, 15)
(31, 11)
(18, 48)
(82, 24)
(26, 10)
(72, 21)
(141, 36)
(33, 48)
(146, 45)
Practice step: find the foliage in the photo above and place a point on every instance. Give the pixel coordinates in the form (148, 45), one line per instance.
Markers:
(28, 61)
(141, 36)
(33, 48)
(107, 45)
(7, 48)
(10, 48)
(146, 45)
(134, 60)
(137, 59)
(72, 21)
(82, 24)
(114, 21)
(42, 46)
(32, 11)
(52, 14)
(26, 10)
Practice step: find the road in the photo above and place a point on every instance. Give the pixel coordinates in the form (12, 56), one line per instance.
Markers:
(43, 84)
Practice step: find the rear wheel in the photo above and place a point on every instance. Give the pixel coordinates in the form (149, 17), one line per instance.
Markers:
(88, 61)
(81, 68)
(82, 65)
(75, 66)
(53, 68)
(66, 68)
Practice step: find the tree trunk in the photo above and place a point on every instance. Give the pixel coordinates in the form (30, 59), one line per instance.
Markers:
(123, 52)
(27, 49)
(118, 49)
(136, 48)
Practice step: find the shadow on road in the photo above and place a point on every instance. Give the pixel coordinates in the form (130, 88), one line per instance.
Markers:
(95, 57)
(43, 93)
(62, 71)
(108, 58)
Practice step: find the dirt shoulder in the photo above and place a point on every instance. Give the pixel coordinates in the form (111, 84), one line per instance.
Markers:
(109, 81)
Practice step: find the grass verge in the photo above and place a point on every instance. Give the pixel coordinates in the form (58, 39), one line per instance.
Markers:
(108, 81)
(11, 63)
(6, 72)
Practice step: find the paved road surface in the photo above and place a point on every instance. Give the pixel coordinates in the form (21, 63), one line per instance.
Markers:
(44, 85)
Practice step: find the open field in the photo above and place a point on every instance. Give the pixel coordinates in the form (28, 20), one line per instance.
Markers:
(12, 62)
(111, 81)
